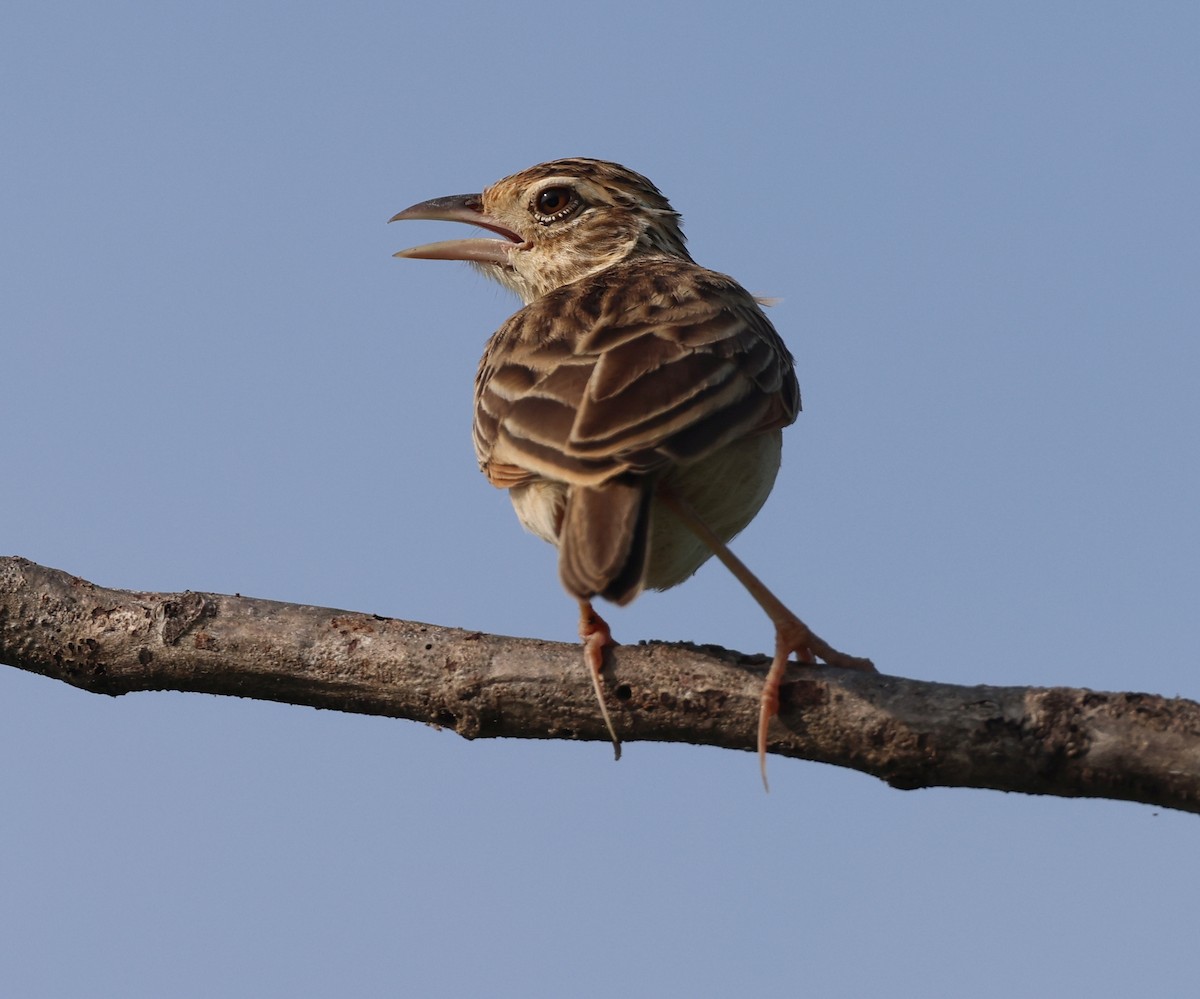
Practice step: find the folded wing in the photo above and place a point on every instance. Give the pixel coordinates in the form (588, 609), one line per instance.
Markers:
(626, 372)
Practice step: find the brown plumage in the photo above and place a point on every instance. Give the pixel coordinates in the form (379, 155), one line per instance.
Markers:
(633, 408)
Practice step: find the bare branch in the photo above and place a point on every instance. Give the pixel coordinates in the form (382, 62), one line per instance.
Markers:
(1061, 741)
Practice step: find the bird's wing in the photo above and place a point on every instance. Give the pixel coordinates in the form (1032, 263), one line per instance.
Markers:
(631, 369)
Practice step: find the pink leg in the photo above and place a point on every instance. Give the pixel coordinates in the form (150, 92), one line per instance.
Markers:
(597, 637)
(791, 634)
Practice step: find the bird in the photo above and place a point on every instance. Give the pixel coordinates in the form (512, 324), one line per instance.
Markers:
(634, 407)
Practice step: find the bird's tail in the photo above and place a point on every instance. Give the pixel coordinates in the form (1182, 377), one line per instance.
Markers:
(603, 542)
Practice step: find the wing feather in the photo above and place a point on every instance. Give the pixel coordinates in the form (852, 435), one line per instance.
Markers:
(641, 365)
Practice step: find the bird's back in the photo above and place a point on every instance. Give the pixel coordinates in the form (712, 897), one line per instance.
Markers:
(652, 371)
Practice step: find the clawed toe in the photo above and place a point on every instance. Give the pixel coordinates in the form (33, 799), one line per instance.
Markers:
(597, 637)
(793, 636)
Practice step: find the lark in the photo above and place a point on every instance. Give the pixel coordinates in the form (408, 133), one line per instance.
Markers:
(634, 407)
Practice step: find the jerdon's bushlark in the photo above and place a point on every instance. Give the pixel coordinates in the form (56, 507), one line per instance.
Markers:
(634, 407)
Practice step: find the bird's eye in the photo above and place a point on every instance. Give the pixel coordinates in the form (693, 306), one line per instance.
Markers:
(554, 203)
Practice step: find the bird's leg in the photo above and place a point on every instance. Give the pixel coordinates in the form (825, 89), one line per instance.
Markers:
(791, 634)
(597, 637)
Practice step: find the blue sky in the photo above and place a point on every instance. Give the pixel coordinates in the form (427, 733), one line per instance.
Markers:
(982, 222)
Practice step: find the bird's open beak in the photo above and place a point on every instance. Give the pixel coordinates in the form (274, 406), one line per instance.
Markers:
(460, 208)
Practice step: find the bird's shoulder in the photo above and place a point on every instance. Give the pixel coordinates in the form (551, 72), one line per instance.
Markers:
(666, 292)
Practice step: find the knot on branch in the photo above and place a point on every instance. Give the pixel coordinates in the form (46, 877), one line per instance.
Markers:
(181, 614)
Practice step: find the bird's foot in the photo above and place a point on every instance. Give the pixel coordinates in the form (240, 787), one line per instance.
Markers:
(597, 637)
(793, 635)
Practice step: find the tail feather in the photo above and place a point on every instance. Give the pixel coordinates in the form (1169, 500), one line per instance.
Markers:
(603, 542)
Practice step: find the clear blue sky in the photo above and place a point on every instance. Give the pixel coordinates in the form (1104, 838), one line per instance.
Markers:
(982, 221)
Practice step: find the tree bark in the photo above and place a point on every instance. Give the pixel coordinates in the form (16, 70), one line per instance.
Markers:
(909, 733)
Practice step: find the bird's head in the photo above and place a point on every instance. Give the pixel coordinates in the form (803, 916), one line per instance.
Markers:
(557, 222)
